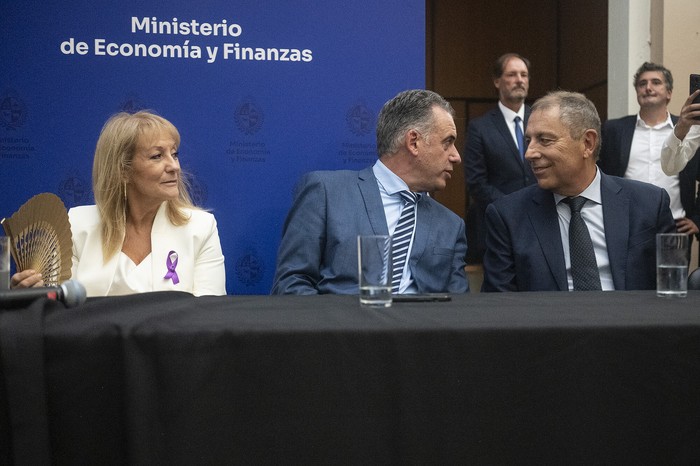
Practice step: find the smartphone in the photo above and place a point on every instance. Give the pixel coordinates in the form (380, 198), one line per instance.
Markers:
(694, 86)
(420, 298)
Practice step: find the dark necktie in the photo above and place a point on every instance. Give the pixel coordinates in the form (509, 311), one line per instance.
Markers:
(402, 238)
(519, 137)
(584, 268)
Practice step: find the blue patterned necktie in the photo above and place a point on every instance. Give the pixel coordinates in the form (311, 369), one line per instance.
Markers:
(519, 137)
(584, 268)
(402, 238)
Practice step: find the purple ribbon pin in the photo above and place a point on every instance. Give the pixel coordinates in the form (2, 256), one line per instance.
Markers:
(171, 263)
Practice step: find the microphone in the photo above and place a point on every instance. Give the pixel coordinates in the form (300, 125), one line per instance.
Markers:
(71, 293)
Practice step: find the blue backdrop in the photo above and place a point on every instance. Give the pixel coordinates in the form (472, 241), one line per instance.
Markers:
(260, 91)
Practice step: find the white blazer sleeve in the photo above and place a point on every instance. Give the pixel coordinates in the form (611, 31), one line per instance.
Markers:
(209, 269)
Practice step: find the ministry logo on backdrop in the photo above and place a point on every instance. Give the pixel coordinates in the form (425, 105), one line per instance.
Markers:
(74, 190)
(13, 112)
(358, 151)
(249, 117)
(359, 119)
(250, 268)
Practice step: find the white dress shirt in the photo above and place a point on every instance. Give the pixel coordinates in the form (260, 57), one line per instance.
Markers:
(645, 161)
(510, 115)
(592, 214)
(675, 154)
(390, 185)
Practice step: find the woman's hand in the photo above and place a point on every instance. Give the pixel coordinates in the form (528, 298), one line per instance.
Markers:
(26, 279)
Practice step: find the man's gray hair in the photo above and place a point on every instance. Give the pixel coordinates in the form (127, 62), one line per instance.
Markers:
(411, 109)
(576, 112)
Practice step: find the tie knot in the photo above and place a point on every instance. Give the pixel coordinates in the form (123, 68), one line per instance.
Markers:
(408, 197)
(517, 119)
(575, 203)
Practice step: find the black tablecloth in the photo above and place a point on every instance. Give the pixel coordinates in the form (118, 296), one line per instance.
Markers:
(165, 378)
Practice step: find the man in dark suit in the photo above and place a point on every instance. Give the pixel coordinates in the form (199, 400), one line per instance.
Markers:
(494, 165)
(632, 146)
(528, 247)
(415, 141)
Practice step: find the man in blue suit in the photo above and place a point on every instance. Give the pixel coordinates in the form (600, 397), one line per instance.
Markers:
(415, 141)
(527, 242)
(632, 146)
(494, 165)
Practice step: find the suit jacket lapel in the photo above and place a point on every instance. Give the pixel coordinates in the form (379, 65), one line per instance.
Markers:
(101, 275)
(424, 220)
(500, 124)
(526, 164)
(616, 223)
(544, 219)
(372, 199)
(627, 135)
(159, 247)
(106, 271)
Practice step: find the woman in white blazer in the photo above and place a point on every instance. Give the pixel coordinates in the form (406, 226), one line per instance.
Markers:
(144, 233)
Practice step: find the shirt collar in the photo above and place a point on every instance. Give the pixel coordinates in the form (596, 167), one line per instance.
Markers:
(509, 114)
(667, 123)
(592, 192)
(389, 180)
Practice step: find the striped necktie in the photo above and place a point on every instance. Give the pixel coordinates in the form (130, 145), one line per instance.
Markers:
(402, 238)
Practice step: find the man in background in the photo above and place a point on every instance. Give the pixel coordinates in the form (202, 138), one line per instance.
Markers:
(632, 146)
(416, 137)
(494, 161)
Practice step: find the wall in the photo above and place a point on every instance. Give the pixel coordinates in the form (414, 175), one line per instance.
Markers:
(680, 45)
(565, 41)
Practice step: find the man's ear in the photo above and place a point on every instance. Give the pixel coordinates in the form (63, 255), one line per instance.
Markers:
(412, 138)
(590, 140)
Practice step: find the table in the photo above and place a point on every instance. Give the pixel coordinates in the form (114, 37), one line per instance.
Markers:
(503, 378)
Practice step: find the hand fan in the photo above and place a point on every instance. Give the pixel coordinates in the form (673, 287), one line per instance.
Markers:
(40, 238)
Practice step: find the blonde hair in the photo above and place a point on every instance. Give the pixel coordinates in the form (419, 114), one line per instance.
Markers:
(111, 169)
